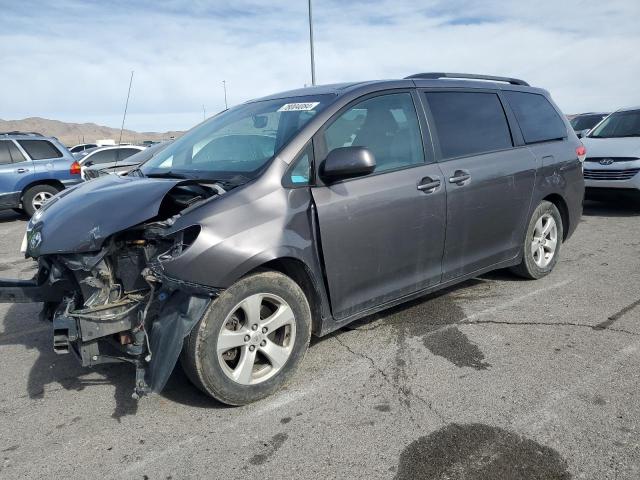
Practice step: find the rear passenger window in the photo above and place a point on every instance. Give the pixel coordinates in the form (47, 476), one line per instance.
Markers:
(387, 125)
(469, 123)
(538, 120)
(40, 149)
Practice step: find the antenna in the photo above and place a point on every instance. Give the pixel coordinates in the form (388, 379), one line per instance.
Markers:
(224, 86)
(313, 63)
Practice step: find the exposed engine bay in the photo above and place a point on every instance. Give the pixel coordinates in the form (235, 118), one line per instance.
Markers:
(116, 304)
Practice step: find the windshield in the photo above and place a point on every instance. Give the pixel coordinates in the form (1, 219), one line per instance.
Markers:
(235, 145)
(618, 124)
(584, 122)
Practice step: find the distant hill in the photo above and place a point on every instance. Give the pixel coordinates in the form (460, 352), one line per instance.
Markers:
(74, 133)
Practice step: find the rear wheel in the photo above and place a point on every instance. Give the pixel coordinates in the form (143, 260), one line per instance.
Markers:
(36, 196)
(542, 242)
(251, 340)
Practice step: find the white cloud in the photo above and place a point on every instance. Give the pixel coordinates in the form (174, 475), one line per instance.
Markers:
(72, 60)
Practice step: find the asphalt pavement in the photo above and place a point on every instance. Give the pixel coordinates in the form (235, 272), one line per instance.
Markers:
(497, 378)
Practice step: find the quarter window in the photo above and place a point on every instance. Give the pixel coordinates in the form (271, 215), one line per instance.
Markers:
(5, 156)
(300, 174)
(40, 149)
(387, 125)
(9, 153)
(469, 123)
(538, 120)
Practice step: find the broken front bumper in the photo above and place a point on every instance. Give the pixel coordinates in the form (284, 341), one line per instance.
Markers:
(145, 328)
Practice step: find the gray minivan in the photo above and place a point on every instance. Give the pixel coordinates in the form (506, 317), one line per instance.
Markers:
(296, 214)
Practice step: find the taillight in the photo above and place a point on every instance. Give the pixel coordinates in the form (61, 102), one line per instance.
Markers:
(75, 169)
(581, 152)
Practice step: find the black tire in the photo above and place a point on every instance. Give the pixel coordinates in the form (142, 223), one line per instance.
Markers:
(199, 357)
(19, 211)
(32, 192)
(528, 268)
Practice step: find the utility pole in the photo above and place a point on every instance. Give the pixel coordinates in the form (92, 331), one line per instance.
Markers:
(224, 86)
(313, 63)
(126, 105)
(204, 113)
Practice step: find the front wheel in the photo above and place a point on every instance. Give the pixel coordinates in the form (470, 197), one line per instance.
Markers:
(251, 340)
(542, 242)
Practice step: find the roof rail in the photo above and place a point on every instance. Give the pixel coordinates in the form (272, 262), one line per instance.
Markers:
(470, 76)
(16, 132)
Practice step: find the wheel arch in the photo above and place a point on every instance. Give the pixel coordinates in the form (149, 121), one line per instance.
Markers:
(300, 273)
(563, 208)
(48, 181)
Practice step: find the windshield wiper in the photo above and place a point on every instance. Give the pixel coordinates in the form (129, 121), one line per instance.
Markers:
(169, 174)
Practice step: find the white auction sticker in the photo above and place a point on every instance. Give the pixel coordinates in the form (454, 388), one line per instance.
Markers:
(298, 107)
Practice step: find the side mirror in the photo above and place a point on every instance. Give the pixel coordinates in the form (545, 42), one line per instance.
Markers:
(347, 162)
(582, 133)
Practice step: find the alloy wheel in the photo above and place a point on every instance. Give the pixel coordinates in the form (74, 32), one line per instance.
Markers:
(545, 240)
(256, 339)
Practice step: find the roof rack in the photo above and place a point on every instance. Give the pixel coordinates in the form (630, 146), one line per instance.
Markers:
(470, 76)
(16, 132)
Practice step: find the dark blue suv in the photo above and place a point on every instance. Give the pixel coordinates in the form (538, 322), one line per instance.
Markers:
(33, 168)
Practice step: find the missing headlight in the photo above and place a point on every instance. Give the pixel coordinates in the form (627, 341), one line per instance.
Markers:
(182, 241)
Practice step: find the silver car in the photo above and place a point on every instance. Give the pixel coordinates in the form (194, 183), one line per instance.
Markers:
(613, 154)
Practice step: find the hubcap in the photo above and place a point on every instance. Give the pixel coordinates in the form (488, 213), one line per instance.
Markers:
(256, 339)
(39, 199)
(545, 240)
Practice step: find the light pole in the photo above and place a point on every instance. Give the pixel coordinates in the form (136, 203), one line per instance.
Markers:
(313, 63)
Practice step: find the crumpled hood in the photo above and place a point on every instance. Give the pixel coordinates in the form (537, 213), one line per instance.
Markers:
(81, 219)
(612, 147)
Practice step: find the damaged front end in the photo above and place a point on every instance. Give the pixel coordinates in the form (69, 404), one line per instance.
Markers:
(116, 304)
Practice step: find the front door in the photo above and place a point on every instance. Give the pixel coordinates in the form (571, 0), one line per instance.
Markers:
(489, 182)
(382, 235)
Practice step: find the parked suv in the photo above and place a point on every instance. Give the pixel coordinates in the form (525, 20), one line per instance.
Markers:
(584, 122)
(613, 161)
(296, 214)
(33, 168)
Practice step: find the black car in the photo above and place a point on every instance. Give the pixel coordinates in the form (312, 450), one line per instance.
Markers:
(296, 214)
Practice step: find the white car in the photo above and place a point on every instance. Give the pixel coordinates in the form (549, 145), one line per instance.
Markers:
(613, 154)
(110, 154)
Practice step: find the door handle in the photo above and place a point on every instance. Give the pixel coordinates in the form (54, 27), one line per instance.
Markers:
(428, 184)
(22, 170)
(459, 177)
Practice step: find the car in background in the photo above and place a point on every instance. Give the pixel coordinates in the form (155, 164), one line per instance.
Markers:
(108, 154)
(122, 167)
(81, 147)
(33, 168)
(584, 122)
(612, 164)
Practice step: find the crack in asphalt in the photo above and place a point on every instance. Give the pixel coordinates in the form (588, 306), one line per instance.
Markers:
(405, 392)
(551, 324)
(616, 316)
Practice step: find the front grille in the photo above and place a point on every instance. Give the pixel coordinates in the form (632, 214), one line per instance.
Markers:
(610, 174)
(613, 159)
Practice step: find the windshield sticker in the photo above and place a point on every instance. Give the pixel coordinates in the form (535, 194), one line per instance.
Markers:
(298, 107)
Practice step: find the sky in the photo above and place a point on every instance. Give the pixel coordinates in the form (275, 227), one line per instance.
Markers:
(71, 60)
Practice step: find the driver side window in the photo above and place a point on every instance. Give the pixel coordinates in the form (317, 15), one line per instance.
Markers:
(387, 125)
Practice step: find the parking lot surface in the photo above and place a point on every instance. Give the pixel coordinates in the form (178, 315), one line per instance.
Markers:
(496, 378)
